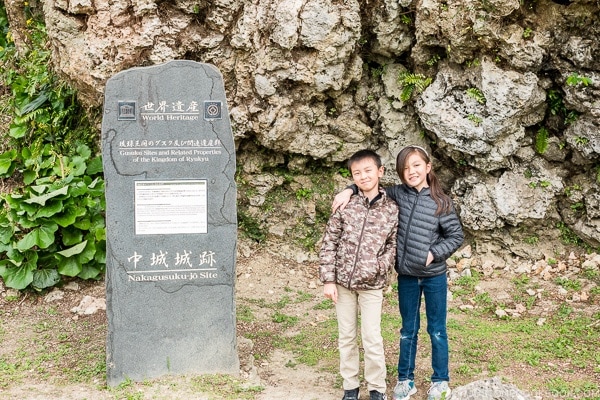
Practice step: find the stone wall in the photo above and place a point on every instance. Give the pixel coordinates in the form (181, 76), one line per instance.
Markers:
(510, 116)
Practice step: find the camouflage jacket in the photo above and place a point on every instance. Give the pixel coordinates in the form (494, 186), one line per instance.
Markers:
(359, 247)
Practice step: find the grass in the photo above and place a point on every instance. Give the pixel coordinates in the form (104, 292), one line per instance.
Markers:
(224, 387)
(551, 356)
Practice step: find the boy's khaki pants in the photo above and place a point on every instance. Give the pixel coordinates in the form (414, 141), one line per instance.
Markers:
(369, 302)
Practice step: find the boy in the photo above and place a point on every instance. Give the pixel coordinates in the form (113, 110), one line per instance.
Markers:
(356, 257)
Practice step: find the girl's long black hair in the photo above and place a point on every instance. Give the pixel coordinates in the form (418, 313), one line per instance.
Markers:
(443, 201)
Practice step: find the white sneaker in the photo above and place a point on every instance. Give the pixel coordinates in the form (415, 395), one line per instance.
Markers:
(439, 391)
(404, 389)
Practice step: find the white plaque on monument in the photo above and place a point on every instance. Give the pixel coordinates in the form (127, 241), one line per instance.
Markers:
(170, 207)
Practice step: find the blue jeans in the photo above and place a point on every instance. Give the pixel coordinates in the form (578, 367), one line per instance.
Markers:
(435, 289)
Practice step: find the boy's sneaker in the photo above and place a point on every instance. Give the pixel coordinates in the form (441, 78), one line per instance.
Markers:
(439, 391)
(404, 389)
(375, 395)
(350, 394)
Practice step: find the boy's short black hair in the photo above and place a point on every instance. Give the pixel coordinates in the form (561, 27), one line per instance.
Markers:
(361, 155)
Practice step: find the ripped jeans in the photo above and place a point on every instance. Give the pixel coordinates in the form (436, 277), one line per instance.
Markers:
(435, 291)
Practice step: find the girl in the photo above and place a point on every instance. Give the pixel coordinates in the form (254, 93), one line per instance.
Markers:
(429, 232)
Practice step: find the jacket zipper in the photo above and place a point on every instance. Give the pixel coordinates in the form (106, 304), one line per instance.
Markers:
(410, 217)
(362, 230)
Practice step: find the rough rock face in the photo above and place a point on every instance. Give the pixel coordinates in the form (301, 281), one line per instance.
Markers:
(511, 114)
(489, 389)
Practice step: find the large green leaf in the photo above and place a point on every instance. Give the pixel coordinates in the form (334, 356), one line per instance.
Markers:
(50, 209)
(90, 272)
(46, 277)
(40, 188)
(83, 224)
(71, 236)
(71, 251)
(94, 166)
(19, 277)
(84, 151)
(17, 131)
(78, 166)
(88, 253)
(43, 198)
(69, 266)
(5, 247)
(35, 103)
(6, 161)
(29, 176)
(6, 233)
(41, 237)
(66, 218)
(78, 188)
(31, 209)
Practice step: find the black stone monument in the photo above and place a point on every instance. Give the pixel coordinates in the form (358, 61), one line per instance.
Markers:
(171, 220)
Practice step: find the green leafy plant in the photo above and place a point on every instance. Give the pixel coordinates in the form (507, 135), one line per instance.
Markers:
(473, 63)
(568, 283)
(557, 107)
(555, 102)
(303, 194)
(575, 79)
(433, 60)
(532, 240)
(571, 117)
(376, 73)
(541, 140)
(251, 227)
(527, 32)
(52, 223)
(477, 120)
(476, 94)
(579, 206)
(345, 172)
(405, 18)
(412, 83)
(567, 235)
(5, 42)
(570, 189)
(55, 226)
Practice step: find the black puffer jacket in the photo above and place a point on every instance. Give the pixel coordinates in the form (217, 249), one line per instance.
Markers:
(421, 231)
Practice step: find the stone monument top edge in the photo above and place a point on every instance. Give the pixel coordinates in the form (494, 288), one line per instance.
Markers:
(166, 65)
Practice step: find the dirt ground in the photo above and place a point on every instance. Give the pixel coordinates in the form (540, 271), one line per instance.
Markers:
(264, 274)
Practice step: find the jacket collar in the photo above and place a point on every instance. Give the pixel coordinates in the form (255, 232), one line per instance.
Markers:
(382, 195)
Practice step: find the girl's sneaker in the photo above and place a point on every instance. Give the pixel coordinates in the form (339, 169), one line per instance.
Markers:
(404, 389)
(439, 391)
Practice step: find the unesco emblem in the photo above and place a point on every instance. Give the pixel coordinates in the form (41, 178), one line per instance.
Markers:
(126, 111)
(212, 110)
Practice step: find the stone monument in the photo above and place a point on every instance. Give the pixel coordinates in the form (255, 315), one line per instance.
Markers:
(171, 221)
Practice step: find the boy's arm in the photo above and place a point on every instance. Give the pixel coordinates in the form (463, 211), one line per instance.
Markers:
(327, 254)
